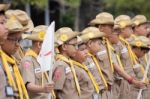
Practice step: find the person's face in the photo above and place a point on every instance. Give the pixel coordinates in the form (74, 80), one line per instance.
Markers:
(141, 30)
(70, 47)
(93, 46)
(3, 29)
(108, 29)
(82, 53)
(126, 32)
(113, 38)
(140, 52)
(11, 45)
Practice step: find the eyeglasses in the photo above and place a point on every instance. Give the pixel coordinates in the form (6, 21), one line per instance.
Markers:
(15, 40)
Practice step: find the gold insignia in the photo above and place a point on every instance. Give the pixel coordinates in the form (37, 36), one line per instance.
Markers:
(41, 35)
(12, 18)
(63, 37)
(123, 24)
(138, 43)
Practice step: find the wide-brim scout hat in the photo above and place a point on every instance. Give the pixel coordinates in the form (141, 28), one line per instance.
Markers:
(22, 17)
(103, 18)
(37, 34)
(90, 33)
(14, 26)
(4, 7)
(63, 35)
(122, 21)
(139, 19)
(140, 41)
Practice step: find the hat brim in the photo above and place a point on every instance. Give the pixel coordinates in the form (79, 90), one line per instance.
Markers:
(29, 26)
(18, 30)
(97, 22)
(4, 7)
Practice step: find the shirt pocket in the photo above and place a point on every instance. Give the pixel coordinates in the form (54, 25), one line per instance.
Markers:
(69, 82)
(102, 55)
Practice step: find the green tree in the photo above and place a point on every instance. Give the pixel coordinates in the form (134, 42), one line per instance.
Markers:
(130, 7)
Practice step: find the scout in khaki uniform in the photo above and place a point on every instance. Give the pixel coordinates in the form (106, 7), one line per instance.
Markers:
(26, 21)
(123, 27)
(14, 85)
(104, 21)
(140, 25)
(3, 37)
(106, 26)
(36, 84)
(140, 47)
(72, 79)
(90, 41)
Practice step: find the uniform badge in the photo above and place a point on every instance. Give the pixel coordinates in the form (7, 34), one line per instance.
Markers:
(57, 74)
(27, 64)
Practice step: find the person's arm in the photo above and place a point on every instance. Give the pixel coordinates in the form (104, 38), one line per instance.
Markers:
(127, 77)
(39, 89)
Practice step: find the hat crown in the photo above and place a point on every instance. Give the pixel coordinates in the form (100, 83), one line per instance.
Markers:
(90, 33)
(140, 41)
(103, 18)
(90, 29)
(22, 17)
(139, 19)
(105, 15)
(40, 28)
(4, 7)
(122, 21)
(64, 34)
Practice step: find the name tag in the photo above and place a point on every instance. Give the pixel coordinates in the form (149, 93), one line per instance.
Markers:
(102, 52)
(124, 50)
(67, 70)
(37, 70)
(91, 65)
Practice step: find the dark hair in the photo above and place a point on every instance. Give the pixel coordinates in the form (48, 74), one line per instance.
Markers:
(2, 13)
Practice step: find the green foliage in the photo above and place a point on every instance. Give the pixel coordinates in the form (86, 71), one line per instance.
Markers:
(131, 7)
(38, 3)
(67, 19)
(72, 3)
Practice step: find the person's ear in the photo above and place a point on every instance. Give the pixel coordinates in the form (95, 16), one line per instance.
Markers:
(39, 45)
(64, 47)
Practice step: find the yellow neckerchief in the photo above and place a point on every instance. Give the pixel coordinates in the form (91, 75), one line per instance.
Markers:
(61, 57)
(19, 81)
(109, 49)
(130, 52)
(95, 84)
(133, 35)
(99, 70)
(30, 52)
(141, 66)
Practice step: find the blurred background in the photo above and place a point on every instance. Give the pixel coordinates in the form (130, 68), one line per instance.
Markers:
(78, 13)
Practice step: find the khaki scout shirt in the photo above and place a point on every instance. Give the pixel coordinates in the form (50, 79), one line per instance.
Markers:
(3, 84)
(125, 58)
(61, 85)
(64, 81)
(93, 69)
(86, 86)
(104, 62)
(31, 72)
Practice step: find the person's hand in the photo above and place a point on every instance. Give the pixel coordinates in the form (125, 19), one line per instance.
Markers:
(139, 84)
(48, 87)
